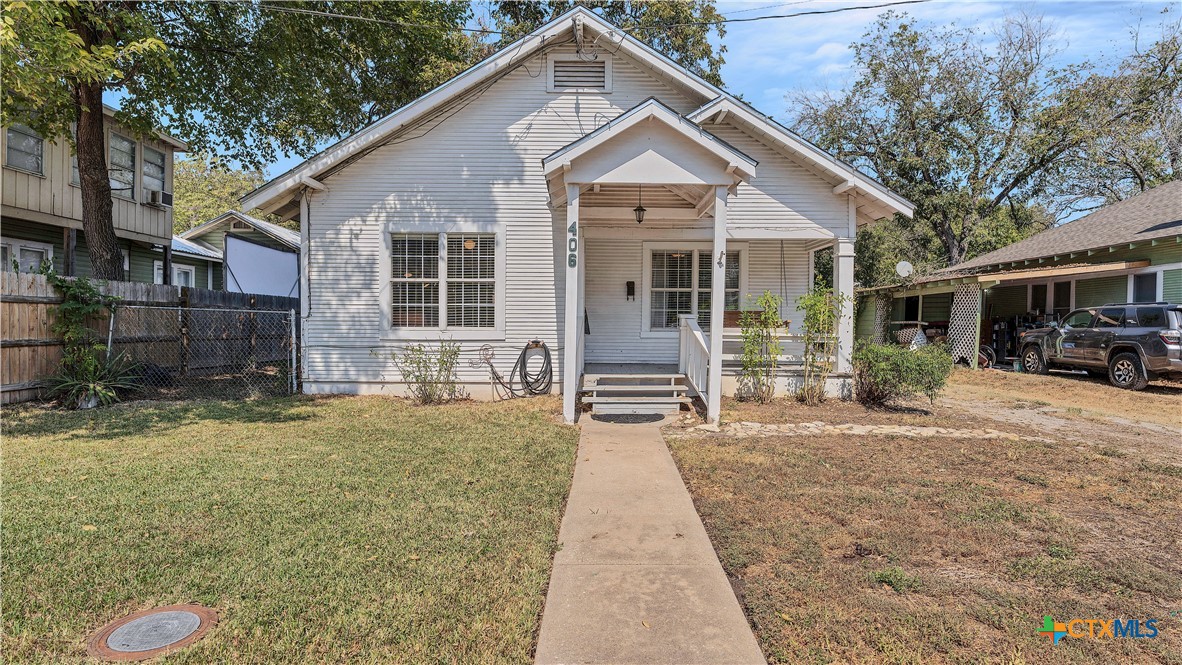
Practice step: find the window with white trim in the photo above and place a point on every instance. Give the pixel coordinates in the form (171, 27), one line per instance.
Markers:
(1145, 287)
(122, 166)
(182, 275)
(443, 280)
(153, 170)
(25, 150)
(27, 255)
(679, 283)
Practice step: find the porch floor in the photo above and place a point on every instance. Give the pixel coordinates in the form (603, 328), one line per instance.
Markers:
(630, 368)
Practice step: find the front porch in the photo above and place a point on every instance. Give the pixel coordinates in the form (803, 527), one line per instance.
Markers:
(651, 258)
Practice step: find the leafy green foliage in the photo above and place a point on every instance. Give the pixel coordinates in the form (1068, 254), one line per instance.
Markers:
(884, 373)
(822, 309)
(86, 376)
(430, 373)
(897, 579)
(760, 329)
(205, 187)
(665, 26)
(978, 130)
(94, 379)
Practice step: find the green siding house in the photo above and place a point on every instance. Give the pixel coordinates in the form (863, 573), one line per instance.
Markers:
(1129, 251)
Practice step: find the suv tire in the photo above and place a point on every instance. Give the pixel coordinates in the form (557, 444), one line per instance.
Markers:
(1032, 360)
(1124, 371)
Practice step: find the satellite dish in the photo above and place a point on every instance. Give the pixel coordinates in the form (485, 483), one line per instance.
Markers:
(904, 268)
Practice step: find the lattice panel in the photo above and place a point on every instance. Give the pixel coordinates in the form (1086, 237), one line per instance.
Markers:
(963, 326)
(882, 316)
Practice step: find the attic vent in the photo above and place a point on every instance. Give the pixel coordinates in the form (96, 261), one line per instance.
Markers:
(578, 75)
(239, 226)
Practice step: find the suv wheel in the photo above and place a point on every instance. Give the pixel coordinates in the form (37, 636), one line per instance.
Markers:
(1124, 371)
(1032, 361)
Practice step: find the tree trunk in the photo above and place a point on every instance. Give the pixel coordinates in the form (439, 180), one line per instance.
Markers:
(106, 259)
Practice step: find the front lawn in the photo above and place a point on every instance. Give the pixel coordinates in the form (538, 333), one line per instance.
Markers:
(321, 530)
(869, 549)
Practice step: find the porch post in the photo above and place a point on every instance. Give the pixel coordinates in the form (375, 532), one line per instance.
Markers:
(571, 329)
(843, 283)
(717, 304)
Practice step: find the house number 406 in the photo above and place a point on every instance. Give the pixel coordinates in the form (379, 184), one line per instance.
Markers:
(572, 245)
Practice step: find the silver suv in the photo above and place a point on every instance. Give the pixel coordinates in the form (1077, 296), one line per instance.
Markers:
(1129, 343)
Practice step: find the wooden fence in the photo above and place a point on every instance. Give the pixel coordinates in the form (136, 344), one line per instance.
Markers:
(30, 352)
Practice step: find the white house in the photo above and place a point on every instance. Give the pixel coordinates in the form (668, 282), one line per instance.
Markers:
(502, 206)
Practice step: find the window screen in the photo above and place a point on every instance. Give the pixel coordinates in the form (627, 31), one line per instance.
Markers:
(731, 285)
(153, 170)
(463, 296)
(415, 280)
(25, 149)
(1145, 288)
(122, 169)
(471, 280)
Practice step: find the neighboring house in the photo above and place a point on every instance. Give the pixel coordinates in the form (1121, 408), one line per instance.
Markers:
(259, 257)
(41, 211)
(503, 207)
(192, 265)
(1129, 251)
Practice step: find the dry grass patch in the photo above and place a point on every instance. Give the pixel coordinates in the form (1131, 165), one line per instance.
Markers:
(891, 549)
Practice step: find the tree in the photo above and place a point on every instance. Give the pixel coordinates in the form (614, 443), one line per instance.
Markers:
(1139, 144)
(244, 80)
(204, 189)
(967, 130)
(681, 30)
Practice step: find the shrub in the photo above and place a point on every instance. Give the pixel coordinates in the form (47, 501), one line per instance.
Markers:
(822, 311)
(886, 372)
(93, 379)
(431, 373)
(761, 348)
(897, 579)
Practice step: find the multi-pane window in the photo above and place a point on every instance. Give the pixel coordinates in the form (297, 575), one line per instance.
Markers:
(471, 280)
(680, 284)
(415, 280)
(122, 168)
(730, 286)
(153, 170)
(25, 150)
(24, 255)
(464, 292)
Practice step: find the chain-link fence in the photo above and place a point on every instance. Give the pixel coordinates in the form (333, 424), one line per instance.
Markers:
(183, 353)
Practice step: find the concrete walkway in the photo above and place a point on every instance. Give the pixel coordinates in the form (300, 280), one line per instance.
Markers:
(636, 579)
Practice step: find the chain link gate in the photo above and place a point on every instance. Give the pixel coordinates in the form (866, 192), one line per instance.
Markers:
(217, 353)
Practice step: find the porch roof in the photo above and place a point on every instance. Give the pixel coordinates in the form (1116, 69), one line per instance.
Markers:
(948, 281)
(740, 165)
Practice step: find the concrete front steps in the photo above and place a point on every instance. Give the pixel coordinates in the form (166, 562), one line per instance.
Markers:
(645, 393)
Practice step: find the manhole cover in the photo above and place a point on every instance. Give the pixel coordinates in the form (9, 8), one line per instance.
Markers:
(152, 632)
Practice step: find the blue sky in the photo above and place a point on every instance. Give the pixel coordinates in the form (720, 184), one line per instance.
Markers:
(766, 60)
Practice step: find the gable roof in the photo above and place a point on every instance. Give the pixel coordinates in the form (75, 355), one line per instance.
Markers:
(649, 109)
(1150, 215)
(862, 185)
(281, 188)
(274, 231)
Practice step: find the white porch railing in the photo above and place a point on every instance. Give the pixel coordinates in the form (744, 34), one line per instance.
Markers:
(693, 353)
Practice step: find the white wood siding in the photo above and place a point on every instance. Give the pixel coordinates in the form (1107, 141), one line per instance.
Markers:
(52, 199)
(616, 322)
(480, 161)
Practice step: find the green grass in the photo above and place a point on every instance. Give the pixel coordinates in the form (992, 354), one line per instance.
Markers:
(321, 530)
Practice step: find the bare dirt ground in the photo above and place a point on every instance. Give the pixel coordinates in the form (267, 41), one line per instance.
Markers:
(883, 548)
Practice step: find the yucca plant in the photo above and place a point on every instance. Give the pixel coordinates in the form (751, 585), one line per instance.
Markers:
(94, 379)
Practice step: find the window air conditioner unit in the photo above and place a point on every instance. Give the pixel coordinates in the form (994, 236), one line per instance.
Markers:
(158, 198)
